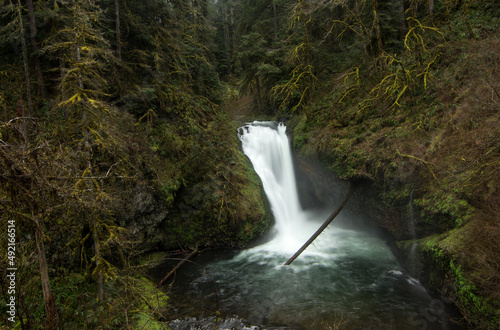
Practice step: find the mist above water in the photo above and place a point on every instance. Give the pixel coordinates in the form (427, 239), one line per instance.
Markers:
(346, 276)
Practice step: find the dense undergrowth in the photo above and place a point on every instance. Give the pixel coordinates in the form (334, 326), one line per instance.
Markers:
(112, 144)
(424, 128)
(141, 185)
(113, 141)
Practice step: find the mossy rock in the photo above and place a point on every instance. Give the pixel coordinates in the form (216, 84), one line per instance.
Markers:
(445, 272)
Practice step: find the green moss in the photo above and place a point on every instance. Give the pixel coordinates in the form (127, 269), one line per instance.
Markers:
(221, 202)
(459, 211)
(143, 320)
(149, 300)
(443, 272)
(255, 210)
(151, 259)
(455, 241)
(299, 127)
(78, 307)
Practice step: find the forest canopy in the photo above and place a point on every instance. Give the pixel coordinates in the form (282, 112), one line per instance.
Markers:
(117, 134)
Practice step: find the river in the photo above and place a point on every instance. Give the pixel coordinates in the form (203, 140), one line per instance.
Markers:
(347, 279)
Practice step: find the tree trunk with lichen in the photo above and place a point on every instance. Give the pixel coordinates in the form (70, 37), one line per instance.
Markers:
(34, 44)
(48, 298)
(117, 31)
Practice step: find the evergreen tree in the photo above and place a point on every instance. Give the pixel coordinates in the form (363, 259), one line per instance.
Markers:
(296, 92)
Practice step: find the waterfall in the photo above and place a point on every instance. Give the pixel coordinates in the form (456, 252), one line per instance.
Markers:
(268, 148)
(413, 256)
(413, 230)
(346, 273)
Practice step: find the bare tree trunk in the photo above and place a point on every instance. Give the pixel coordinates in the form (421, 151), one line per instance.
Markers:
(26, 74)
(25, 59)
(376, 22)
(332, 216)
(48, 298)
(100, 282)
(233, 37)
(117, 29)
(431, 10)
(413, 8)
(78, 59)
(402, 32)
(257, 87)
(227, 36)
(275, 14)
(178, 266)
(33, 31)
(63, 92)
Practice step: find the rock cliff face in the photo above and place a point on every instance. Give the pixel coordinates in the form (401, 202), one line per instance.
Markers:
(432, 168)
(142, 213)
(320, 187)
(428, 254)
(231, 211)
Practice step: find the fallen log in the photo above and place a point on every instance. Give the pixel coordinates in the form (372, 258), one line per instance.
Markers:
(178, 265)
(325, 224)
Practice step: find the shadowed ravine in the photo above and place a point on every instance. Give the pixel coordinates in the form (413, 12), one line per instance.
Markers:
(346, 277)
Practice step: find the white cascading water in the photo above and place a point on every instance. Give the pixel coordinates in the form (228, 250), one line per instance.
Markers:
(266, 145)
(345, 275)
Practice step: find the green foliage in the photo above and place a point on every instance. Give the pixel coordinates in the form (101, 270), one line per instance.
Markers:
(219, 199)
(458, 210)
(294, 94)
(385, 94)
(415, 117)
(131, 117)
(481, 311)
(259, 65)
(475, 19)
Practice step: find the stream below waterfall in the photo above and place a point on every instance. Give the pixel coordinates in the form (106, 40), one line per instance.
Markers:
(347, 279)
